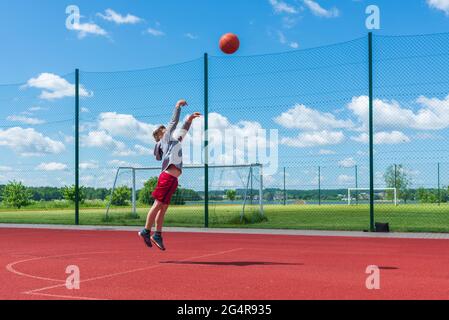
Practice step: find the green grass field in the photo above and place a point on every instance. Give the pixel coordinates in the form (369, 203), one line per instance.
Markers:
(404, 218)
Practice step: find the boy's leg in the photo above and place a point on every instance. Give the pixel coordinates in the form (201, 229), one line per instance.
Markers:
(160, 217)
(152, 214)
(157, 236)
(151, 217)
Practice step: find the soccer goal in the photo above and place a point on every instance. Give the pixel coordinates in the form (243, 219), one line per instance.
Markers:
(381, 195)
(231, 188)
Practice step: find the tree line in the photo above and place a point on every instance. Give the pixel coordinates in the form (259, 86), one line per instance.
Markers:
(15, 194)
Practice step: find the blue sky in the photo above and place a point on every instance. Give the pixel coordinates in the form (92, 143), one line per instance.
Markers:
(36, 39)
(315, 98)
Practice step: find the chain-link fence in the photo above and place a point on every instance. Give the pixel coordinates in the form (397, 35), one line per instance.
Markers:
(117, 123)
(37, 149)
(288, 139)
(411, 101)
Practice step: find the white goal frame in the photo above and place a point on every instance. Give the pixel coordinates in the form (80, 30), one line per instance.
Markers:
(135, 169)
(395, 191)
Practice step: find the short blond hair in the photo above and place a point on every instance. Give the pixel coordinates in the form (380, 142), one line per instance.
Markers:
(157, 133)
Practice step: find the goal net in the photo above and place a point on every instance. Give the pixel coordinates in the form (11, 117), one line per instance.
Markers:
(233, 191)
(381, 195)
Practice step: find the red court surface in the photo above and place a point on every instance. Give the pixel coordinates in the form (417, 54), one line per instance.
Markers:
(197, 266)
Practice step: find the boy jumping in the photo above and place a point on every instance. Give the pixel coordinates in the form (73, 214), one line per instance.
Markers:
(168, 149)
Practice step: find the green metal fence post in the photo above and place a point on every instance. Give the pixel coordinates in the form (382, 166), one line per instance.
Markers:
(77, 123)
(251, 189)
(439, 186)
(206, 141)
(396, 176)
(285, 191)
(356, 184)
(319, 185)
(371, 130)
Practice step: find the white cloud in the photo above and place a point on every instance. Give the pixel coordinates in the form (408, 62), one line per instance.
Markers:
(125, 125)
(143, 151)
(100, 139)
(112, 16)
(386, 113)
(155, 32)
(52, 166)
(434, 114)
(347, 163)
(320, 11)
(25, 120)
(54, 87)
(233, 142)
(282, 37)
(191, 36)
(34, 109)
(87, 180)
(289, 22)
(394, 137)
(121, 163)
(294, 45)
(85, 110)
(345, 179)
(305, 118)
(315, 138)
(5, 168)
(29, 142)
(282, 7)
(442, 5)
(85, 29)
(92, 164)
(326, 152)
(67, 138)
(112, 125)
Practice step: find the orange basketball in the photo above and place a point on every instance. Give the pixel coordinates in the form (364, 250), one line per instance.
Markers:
(229, 43)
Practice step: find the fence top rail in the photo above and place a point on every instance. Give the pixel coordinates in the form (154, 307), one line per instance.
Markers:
(196, 167)
(377, 189)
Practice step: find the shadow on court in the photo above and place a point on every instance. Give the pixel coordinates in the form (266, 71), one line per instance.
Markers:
(233, 263)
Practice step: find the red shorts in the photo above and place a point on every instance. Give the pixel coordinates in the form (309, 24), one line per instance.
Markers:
(166, 187)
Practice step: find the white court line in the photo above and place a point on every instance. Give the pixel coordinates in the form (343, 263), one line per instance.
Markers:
(10, 266)
(37, 291)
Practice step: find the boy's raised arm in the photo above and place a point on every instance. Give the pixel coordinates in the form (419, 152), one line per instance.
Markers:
(171, 127)
(187, 125)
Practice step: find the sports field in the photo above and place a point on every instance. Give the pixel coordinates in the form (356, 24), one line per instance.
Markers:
(403, 218)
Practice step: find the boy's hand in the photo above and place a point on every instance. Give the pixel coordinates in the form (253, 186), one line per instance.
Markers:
(181, 103)
(195, 115)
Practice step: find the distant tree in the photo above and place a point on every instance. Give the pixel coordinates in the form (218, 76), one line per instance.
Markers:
(269, 196)
(15, 194)
(445, 195)
(121, 196)
(145, 193)
(2, 189)
(68, 193)
(428, 195)
(179, 197)
(231, 194)
(96, 194)
(397, 177)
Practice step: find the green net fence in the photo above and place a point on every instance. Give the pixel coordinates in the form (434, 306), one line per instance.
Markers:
(37, 149)
(117, 131)
(288, 140)
(410, 129)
